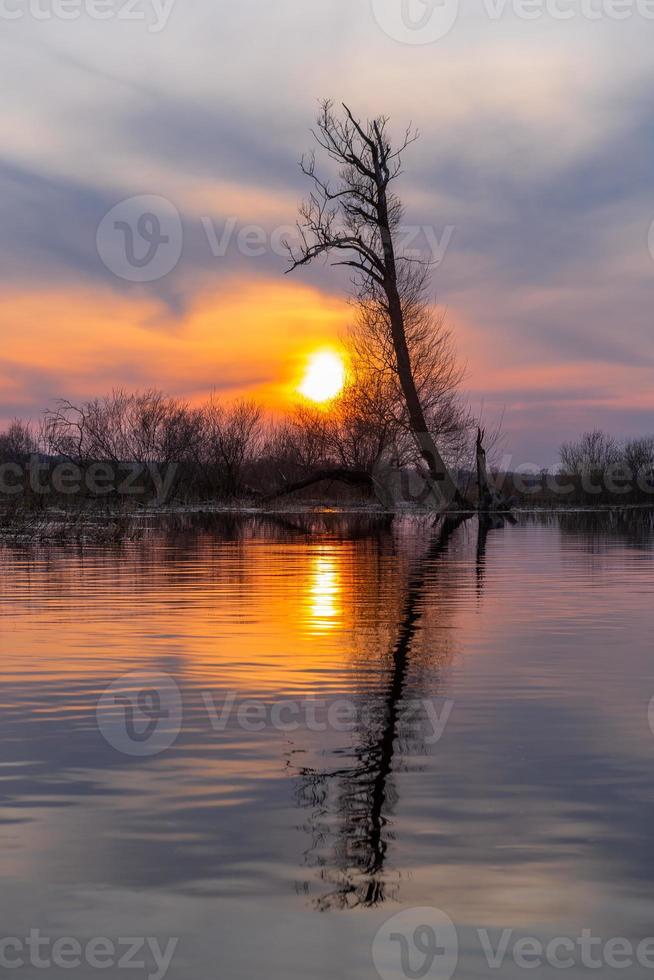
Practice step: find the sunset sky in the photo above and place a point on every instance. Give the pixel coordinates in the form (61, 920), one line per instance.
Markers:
(535, 167)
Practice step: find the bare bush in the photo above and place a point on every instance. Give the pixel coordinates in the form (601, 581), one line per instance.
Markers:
(142, 428)
(304, 438)
(638, 456)
(17, 442)
(231, 439)
(592, 453)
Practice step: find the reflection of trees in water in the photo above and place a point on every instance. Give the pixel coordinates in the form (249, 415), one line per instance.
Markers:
(596, 532)
(487, 523)
(160, 555)
(349, 807)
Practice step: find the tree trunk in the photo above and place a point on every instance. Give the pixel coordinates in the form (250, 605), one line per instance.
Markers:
(489, 499)
(354, 478)
(443, 485)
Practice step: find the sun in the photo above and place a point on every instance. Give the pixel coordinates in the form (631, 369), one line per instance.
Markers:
(324, 377)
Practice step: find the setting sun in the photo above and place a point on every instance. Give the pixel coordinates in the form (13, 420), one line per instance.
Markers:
(324, 377)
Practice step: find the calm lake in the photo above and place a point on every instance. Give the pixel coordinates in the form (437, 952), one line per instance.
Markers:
(264, 737)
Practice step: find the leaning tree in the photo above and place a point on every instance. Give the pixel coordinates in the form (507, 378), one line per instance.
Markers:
(356, 218)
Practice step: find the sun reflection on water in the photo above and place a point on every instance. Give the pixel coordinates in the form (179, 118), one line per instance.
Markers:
(325, 593)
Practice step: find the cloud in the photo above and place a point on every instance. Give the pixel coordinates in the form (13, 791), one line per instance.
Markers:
(249, 340)
(532, 149)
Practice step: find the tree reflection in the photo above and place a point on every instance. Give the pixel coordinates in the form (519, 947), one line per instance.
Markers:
(349, 808)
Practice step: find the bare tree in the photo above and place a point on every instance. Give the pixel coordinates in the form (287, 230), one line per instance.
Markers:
(231, 437)
(17, 442)
(304, 438)
(357, 218)
(362, 429)
(592, 453)
(638, 456)
(142, 427)
(436, 372)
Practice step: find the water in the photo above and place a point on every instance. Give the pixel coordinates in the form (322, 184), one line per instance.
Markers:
(273, 839)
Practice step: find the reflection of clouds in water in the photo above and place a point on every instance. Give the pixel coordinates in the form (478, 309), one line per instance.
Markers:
(533, 807)
(325, 590)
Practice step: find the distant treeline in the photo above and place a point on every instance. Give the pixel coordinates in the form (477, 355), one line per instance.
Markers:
(596, 469)
(148, 447)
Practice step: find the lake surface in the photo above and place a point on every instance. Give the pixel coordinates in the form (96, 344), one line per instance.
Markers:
(265, 737)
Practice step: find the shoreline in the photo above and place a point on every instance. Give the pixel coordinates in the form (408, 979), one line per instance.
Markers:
(94, 525)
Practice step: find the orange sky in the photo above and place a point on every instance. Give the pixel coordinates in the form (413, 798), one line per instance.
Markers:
(254, 338)
(532, 168)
